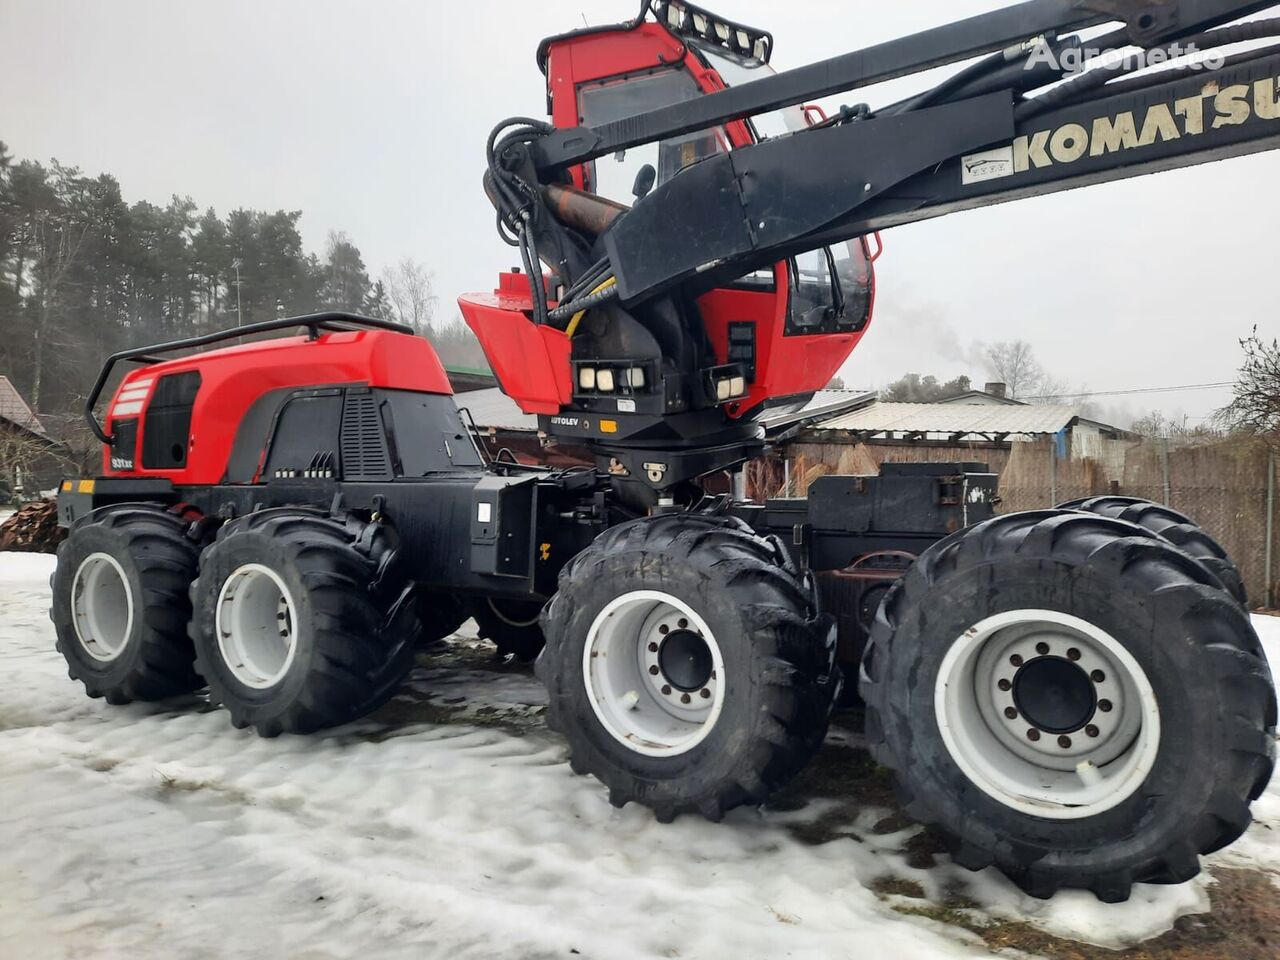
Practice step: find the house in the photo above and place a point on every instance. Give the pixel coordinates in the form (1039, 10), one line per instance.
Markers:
(991, 395)
(30, 460)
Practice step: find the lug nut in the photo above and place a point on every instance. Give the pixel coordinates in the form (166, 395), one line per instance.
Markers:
(1073, 654)
(682, 623)
(705, 694)
(1104, 706)
(685, 698)
(1097, 676)
(1005, 685)
(1042, 648)
(666, 690)
(1016, 660)
(1011, 713)
(1091, 730)
(653, 648)
(1064, 742)
(1033, 734)
(664, 629)
(653, 670)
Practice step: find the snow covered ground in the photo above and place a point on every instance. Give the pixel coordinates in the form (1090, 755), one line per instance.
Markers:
(450, 825)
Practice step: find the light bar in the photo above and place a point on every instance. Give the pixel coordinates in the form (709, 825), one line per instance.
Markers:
(692, 21)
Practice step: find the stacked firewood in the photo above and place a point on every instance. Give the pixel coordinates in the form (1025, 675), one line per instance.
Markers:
(33, 529)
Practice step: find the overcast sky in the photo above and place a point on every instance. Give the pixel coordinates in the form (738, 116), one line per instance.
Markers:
(371, 118)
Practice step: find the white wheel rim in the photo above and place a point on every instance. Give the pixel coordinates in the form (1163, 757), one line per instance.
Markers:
(102, 606)
(1014, 719)
(642, 654)
(257, 625)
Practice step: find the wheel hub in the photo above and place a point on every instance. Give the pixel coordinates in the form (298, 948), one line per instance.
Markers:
(102, 606)
(684, 659)
(653, 673)
(257, 625)
(1054, 695)
(1047, 713)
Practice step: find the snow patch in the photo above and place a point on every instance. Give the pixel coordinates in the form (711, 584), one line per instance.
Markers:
(447, 825)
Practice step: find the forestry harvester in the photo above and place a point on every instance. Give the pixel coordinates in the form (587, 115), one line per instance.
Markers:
(1075, 695)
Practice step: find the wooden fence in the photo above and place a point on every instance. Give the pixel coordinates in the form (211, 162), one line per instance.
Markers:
(1224, 486)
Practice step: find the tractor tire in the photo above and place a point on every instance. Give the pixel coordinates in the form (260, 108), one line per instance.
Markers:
(688, 665)
(511, 625)
(120, 606)
(1175, 527)
(302, 620)
(1071, 699)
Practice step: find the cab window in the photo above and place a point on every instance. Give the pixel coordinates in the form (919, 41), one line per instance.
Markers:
(616, 176)
(830, 289)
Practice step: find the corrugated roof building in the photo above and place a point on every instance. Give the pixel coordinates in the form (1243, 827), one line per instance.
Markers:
(954, 422)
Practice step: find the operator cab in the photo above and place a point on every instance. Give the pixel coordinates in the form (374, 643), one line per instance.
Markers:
(828, 290)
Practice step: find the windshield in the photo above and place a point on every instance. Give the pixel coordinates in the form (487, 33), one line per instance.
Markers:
(615, 176)
(736, 70)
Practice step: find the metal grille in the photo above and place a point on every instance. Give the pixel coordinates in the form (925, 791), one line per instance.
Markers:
(364, 445)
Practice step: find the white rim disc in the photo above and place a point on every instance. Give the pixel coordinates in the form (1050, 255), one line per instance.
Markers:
(653, 673)
(102, 606)
(1047, 713)
(257, 624)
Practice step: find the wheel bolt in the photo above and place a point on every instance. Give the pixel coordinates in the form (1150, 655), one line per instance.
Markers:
(666, 690)
(705, 694)
(682, 623)
(1104, 706)
(1091, 730)
(1097, 676)
(653, 648)
(653, 670)
(1064, 742)
(1016, 660)
(1042, 648)
(1005, 685)
(1011, 713)
(1033, 734)
(280, 615)
(664, 629)
(1073, 654)
(685, 698)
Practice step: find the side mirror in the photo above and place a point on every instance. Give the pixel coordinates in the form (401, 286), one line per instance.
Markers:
(645, 178)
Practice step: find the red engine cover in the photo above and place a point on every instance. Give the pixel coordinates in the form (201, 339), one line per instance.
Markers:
(231, 379)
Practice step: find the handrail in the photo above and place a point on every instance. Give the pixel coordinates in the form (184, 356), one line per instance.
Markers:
(334, 320)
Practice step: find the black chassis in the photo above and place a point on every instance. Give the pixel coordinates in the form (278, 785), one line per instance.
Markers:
(506, 530)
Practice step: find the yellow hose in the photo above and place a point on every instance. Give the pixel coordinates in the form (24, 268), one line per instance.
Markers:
(573, 324)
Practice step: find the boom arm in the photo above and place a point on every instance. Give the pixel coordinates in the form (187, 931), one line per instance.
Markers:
(976, 140)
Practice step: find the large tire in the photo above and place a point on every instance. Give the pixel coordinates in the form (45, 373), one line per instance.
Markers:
(1175, 527)
(1133, 611)
(345, 621)
(120, 606)
(513, 626)
(745, 622)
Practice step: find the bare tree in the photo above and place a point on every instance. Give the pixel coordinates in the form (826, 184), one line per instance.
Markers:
(1255, 404)
(23, 455)
(1013, 363)
(410, 289)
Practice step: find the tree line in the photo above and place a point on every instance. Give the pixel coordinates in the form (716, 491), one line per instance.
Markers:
(85, 273)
